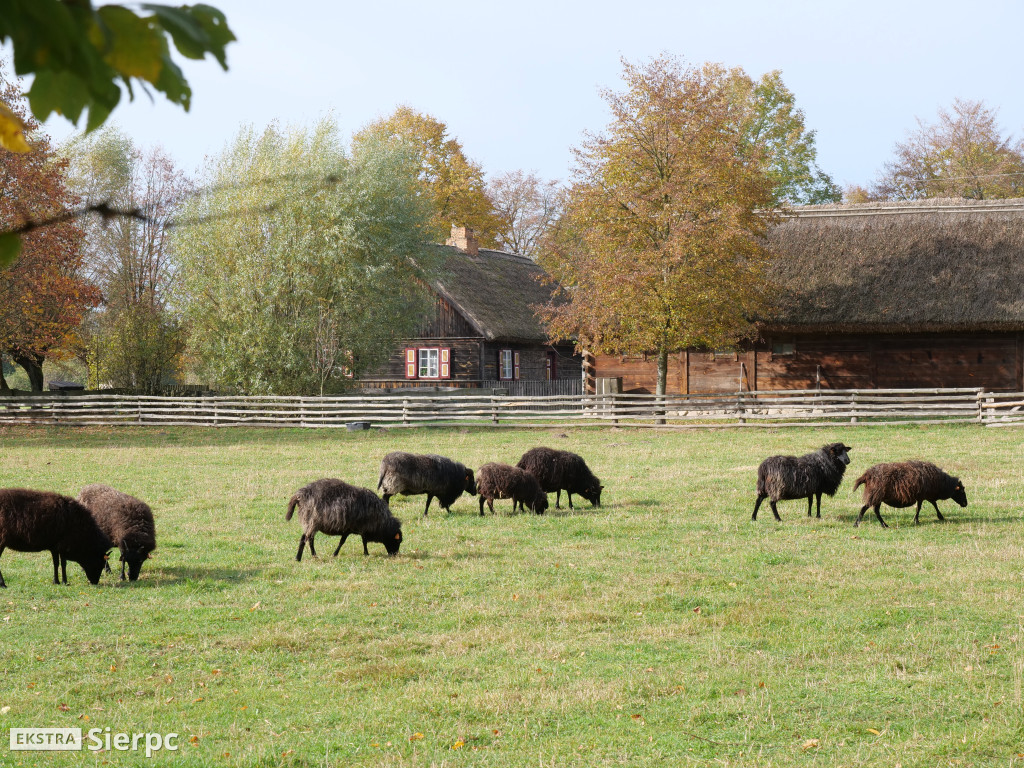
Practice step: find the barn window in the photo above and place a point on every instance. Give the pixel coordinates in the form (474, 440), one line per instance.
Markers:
(430, 363)
(783, 347)
(508, 364)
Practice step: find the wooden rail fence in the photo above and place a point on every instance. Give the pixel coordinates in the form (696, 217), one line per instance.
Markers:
(744, 409)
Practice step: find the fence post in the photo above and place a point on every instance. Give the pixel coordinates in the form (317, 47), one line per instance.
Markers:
(739, 407)
(853, 408)
(405, 411)
(494, 410)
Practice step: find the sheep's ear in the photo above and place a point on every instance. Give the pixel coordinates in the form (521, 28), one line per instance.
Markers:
(398, 537)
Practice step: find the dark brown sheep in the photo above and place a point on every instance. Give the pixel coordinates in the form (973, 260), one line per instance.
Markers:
(558, 471)
(503, 481)
(33, 521)
(126, 520)
(411, 474)
(336, 508)
(905, 483)
(796, 477)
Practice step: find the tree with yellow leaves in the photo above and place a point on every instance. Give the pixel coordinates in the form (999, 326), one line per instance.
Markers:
(661, 246)
(452, 182)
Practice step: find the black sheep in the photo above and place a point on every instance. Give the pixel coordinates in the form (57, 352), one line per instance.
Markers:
(126, 520)
(411, 474)
(902, 484)
(503, 481)
(796, 477)
(33, 521)
(558, 471)
(338, 509)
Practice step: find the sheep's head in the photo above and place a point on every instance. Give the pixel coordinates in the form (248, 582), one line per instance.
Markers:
(393, 539)
(134, 558)
(959, 493)
(839, 451)
(593, 494)
(93, 565)
(540, 503)
(470, 482)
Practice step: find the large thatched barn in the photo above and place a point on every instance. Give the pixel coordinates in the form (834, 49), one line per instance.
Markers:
(876, 295)
(483, 330)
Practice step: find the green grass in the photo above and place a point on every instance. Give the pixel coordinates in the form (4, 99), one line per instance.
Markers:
(664, 628)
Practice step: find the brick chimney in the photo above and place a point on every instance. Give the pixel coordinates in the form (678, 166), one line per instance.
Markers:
(465, 240)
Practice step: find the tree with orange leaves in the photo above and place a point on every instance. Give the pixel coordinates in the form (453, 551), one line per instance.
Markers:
(43, 295)
(661, 246)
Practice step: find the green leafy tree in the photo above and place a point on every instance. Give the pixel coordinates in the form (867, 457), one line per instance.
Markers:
(661, 246)
(452, 182)
(135, 339)
(772, 123)
(301, 271)
(963, 154)
(80, 56)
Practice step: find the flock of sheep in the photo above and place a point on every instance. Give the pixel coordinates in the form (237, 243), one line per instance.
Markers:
(898, 484)
(85, 529)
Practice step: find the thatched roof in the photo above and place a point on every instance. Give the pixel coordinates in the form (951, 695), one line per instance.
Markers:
(931, 265)
(496, 291)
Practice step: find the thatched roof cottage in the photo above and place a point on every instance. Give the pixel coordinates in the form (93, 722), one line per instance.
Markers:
(483, 330)
(876, 295)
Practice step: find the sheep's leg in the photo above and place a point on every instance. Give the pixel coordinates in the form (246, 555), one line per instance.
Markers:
(937, 511)
(819, 506)
(878, 514)
(490, 505)
(427, 508)
(558, 499)
(63, 570)
(3, 584)
(366, 552)
(481, 505)
(386, 497)
(106, 565)
(309, 540)
(917, 514)
(302, 546)
(757, 504)
(810, 504)
(123, 564)
(775, 510)
(56, 562)
(861, 515)
(569, 494)
(343, 537)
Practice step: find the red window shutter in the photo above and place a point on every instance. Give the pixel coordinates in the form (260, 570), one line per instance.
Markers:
(515, 365)
(410, 363)
(444, 363)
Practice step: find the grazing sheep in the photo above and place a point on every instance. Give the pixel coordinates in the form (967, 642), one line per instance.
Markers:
(336, 508)
(502, 481)
(126, 520)
(559, 471)
(31, 521)
(901, 484)
(411, 474)
(793, 477)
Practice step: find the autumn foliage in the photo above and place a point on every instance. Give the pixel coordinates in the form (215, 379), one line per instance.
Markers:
(661, 245)
(43, 295)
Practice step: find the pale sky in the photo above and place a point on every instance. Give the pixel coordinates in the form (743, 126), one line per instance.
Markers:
(517, 83)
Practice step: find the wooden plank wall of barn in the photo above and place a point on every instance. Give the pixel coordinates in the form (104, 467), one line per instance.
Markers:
(994, 361)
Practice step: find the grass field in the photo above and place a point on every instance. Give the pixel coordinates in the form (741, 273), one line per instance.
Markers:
(664, 628)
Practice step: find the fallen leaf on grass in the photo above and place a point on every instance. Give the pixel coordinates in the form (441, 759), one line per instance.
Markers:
(458, 744)
(809, 744)
(4, 710)
(697, 609)
(416, 736)
(63, 707)
(872, 730)
(194, 740)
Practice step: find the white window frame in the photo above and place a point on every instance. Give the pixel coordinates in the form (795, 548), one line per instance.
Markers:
(428, 363)
(506, 357)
